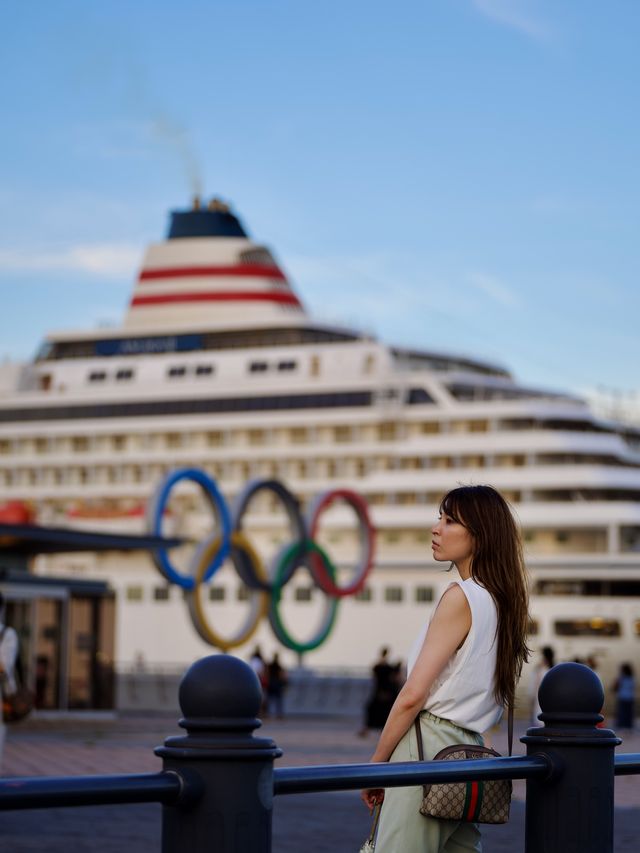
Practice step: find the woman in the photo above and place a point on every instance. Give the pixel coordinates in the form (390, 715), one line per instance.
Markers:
(464, 666)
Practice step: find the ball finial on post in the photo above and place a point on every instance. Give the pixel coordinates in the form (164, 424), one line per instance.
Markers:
(219, 691)
(571, 693)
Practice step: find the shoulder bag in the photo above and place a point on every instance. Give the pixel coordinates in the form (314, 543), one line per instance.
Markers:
(473, 801)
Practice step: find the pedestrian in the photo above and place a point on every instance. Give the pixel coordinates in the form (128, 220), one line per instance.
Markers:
(464, 666)
(8, 657)
(547, 660)
(258, 665)
(276, 685)
(385, 688)
(625, 689)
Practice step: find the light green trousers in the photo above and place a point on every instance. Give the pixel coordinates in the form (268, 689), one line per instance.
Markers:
(402, 829)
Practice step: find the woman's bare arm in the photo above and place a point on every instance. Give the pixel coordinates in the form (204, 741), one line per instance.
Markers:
(450, 625)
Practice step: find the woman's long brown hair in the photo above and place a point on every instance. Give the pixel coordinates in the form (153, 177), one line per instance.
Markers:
(498, 565)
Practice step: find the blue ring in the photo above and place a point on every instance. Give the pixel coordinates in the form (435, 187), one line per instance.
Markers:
(220, 511)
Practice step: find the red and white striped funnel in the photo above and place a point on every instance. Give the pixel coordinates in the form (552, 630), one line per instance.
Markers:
(208, 273)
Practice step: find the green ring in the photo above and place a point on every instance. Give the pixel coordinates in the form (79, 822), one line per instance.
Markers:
(293, 552)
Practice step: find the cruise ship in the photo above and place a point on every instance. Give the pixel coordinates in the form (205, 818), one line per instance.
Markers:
(219, 367)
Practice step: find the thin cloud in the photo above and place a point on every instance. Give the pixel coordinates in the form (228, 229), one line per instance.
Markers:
(102, 260)
(375, 292)
(495, 289)
(513, 14)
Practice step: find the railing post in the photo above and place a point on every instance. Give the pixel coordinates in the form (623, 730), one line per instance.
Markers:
(572, 811)
(220, 696)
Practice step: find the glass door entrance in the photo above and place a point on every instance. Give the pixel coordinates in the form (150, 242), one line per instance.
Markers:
(66, 646)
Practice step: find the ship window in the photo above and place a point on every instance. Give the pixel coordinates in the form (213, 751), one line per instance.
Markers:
(97, 376)
(417, 396)
(387, 431)
(243, 593)
(161, 593)
(533, 627)
(342, 433)
(597, 626)
(176, 371)
(204, 370)
(134, 593)
(303, 593)
(338, 399)
(424, 593)
(630, 538)
(297, 435)
(365, 594)
(258, 367)
(560, 587)
(393, 594)
(609, 588)
(124, 374)
(287, 365)
(217, 593)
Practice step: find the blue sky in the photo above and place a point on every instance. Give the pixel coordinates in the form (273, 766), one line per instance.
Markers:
(453, 174)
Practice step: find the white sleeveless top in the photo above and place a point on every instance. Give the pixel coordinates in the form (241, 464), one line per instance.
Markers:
(463, 692)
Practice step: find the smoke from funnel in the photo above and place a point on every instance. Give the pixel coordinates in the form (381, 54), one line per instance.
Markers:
(178, 139)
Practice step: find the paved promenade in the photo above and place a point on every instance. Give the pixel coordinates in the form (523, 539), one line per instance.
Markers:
(312, 822)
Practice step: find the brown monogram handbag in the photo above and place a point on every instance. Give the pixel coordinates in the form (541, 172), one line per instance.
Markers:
(471, 801)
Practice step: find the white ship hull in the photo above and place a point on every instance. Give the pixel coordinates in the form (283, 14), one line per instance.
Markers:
(219, 368)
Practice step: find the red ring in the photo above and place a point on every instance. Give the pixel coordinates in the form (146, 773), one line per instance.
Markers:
(367, 542)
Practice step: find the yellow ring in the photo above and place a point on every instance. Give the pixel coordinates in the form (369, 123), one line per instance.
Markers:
(259, 599)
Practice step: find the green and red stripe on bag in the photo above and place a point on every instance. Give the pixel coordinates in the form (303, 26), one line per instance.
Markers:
(473, 801)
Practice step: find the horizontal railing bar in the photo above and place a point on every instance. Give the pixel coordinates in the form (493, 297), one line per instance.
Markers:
(343, 777)
(627, 764)
(45, 792)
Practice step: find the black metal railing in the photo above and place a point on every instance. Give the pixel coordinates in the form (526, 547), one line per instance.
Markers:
(218, 781)
(345, 777)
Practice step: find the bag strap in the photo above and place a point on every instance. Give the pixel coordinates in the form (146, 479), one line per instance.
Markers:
(509, 735)
(419, 737)
(376, 818)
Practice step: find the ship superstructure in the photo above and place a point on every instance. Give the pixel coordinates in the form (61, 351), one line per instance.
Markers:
(218, 366)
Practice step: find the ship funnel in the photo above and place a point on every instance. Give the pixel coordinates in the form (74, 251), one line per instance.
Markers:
(210, 274)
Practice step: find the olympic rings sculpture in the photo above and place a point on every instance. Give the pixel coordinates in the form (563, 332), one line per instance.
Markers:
(264, 584)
